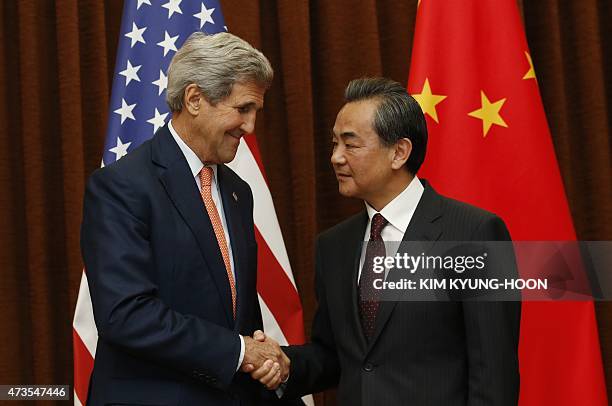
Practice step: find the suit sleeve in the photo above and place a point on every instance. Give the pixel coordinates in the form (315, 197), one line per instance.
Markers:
(119, 264)
(492, 335)
(315, 366)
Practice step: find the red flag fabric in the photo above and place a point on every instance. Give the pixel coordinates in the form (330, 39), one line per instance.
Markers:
(472, 74)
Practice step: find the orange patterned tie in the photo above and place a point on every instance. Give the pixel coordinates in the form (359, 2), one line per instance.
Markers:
(206, 175)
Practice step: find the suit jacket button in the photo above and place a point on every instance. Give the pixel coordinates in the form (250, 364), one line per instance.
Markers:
(368, 367)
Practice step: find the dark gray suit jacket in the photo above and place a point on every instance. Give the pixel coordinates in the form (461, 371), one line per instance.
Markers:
(423, 353)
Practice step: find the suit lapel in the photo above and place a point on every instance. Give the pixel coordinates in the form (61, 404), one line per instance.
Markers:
(424, 228)
(355, 245)
(178, 182)
(233, 218)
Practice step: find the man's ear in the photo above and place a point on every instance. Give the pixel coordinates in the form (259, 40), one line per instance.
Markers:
(193, 99)
(403, 149)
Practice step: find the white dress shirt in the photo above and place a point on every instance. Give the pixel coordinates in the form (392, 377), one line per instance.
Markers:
(398, 212)
(196, 166)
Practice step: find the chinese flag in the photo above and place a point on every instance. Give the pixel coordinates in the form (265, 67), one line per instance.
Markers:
(490, 145)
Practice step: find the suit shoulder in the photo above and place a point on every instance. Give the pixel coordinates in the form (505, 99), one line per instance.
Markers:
(129, 178)
(135, 161)
(470, 221)
(453, 207)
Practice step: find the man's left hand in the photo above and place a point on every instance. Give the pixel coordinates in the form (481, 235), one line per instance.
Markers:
(271, 374)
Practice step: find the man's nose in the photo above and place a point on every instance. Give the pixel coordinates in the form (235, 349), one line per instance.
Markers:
(248, 126)
(337, 156)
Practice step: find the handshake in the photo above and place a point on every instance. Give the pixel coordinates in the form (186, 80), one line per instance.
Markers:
(265, 361)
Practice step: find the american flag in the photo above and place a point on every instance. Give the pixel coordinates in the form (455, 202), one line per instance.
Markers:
(151, 32)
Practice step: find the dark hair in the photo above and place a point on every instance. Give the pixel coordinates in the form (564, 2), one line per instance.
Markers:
(397, 116)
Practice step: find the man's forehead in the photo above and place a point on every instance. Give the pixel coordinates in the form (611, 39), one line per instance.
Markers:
(355, 117)
(248, 93)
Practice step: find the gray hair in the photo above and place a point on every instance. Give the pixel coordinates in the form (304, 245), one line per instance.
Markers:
(397, 116)
(215, 63)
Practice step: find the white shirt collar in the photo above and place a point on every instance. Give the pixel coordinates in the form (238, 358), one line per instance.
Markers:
(192, 159)
(398, 212)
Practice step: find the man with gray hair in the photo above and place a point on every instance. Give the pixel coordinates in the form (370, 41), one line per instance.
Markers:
(168, 243)
(393, 352)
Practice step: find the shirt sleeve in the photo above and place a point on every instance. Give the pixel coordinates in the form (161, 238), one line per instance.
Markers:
(241, 357)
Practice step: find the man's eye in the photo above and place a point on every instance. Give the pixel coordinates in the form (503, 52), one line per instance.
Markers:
(243, 109)
(350, 145)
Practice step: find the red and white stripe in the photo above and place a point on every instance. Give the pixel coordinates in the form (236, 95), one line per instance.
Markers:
(280, 303)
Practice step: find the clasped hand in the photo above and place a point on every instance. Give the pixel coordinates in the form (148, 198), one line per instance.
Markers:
(264, 360)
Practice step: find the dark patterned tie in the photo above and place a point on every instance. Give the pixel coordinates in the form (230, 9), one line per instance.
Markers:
(368, 296)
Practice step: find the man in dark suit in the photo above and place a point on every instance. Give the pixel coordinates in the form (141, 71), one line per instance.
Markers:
(169, 247)
(394, 352)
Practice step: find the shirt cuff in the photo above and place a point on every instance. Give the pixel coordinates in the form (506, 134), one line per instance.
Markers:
(280, 391)
(241, 358)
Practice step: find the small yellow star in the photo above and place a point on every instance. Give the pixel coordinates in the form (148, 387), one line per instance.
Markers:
(531, 72)
(428, 101)
(489, 113)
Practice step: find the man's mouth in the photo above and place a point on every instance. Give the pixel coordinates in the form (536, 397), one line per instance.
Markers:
(237, 136)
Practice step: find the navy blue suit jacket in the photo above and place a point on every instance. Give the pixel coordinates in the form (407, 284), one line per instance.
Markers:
(159, 288)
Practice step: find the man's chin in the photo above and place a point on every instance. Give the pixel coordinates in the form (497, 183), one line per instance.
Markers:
(346, 190)
(229, 155)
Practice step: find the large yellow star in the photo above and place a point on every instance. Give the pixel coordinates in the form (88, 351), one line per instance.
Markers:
(489, 113)
(428, 101)
(531, 72)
